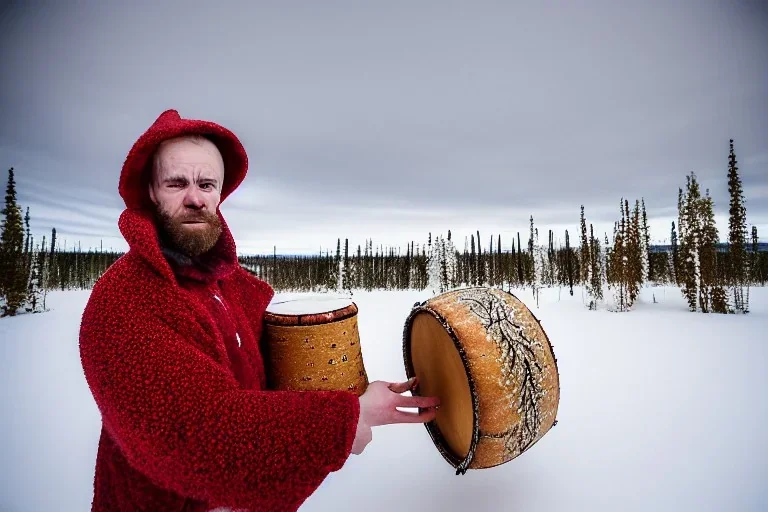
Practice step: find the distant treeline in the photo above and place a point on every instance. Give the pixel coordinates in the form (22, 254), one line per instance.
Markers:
(383, 269)
(712, 276)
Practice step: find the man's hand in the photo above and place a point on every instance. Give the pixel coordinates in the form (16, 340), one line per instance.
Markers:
(378, 406)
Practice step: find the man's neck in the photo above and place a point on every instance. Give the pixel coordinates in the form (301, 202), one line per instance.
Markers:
(206, 267)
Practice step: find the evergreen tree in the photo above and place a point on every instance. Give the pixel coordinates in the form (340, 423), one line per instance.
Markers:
(339, 264)
(346, 274)
(492, 264)
(473, 268)
(451, 263)
(568, 263)
(675, 267)
(737, 234)
(619, 275)
(713, 297)
(28, 249)
(537, 256)
(550, 279)
(12, 278)
(585, 266)
(690, 235)
(753, 267)
(51, 269)
(698, 272)
(645, 247)
(444, 280)
(35, 289)
(596, 288)
(500, 264)
(436, 266)
(635, 254)
(520, 277)
(481, 277)
(533, 276)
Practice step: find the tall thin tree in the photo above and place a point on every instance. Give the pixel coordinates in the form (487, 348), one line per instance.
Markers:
(737, 234)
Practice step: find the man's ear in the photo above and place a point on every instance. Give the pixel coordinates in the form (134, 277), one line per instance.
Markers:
(152, 193)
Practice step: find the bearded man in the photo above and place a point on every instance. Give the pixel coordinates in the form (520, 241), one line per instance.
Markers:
(170, 343)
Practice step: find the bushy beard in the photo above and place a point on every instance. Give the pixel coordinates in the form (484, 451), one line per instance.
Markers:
(192, 241)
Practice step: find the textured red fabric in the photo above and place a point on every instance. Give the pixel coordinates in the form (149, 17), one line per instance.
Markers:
(171, 353)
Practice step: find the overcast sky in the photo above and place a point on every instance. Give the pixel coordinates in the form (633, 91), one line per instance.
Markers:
(392, 119)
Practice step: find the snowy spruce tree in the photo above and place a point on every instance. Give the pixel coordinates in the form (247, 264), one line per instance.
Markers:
(634, 246)
(690, 236)
(713, 297)
(13, 280)
(698, 234)
(617, 267)
(754, 268)
(645, 246)
(339, 264)
(674, 257)
(584, 259)
(536, 256)
(433, 265)
(738, 271)
(35, 290)
(482, 274)
(542, 268)
(596, 274)
(450, 263)
(442, 264)
(569, 263)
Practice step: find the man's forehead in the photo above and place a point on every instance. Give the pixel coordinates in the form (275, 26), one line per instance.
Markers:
(187, 152)
(181, 168)
(196, 164)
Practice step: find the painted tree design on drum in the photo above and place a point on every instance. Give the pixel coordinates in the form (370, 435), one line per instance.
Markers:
(520, 372)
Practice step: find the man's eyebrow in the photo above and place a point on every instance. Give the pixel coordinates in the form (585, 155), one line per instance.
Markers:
(174, 178)
(183, 179)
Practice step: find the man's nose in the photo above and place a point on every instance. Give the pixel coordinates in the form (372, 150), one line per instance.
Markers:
(194, 198)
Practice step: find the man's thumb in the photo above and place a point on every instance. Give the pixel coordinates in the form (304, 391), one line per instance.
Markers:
(401, 387)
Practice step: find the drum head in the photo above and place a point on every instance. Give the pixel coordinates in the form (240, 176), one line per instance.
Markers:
(307, 304)
(438, 365)
(315, 309)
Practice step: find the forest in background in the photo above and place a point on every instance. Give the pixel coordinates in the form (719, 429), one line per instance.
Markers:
(712, 276)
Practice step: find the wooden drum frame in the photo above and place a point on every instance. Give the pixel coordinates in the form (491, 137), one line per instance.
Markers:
(314, 351)
(486, 356)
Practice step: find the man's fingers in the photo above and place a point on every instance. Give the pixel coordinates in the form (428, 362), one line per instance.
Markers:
(417, 401)
(402, 387)
(412, 417)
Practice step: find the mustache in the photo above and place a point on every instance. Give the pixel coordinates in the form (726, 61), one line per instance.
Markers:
(198, 217)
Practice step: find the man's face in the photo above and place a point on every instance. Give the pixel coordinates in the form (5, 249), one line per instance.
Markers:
(186, 189)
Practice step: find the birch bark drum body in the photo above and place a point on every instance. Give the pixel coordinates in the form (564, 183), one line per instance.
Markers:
(313, 344)
(486, 356)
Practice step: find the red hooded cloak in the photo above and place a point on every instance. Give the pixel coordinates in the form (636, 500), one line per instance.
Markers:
(170, 348)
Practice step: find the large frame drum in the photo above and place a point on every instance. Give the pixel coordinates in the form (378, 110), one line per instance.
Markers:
(312, 343)
(486, 356)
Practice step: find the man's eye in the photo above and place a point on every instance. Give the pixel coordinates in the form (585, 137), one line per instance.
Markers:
(207, 185)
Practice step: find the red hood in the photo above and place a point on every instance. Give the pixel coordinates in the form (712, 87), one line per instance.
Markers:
(137, 221)
(134, 178)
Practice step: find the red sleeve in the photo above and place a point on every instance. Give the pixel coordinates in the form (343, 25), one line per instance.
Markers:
(183, 421)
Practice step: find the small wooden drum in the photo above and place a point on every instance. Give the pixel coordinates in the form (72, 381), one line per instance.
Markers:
(312, 343)
(484, 354)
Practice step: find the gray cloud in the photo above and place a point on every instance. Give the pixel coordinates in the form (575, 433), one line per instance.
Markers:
(398, 117)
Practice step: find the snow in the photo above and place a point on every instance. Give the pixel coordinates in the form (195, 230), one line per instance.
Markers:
(661, 409)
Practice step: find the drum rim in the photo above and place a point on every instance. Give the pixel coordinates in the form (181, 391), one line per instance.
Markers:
(460, 464)
(308, 319)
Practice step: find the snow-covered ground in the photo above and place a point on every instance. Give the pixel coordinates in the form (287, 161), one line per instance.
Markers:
(661, 409)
